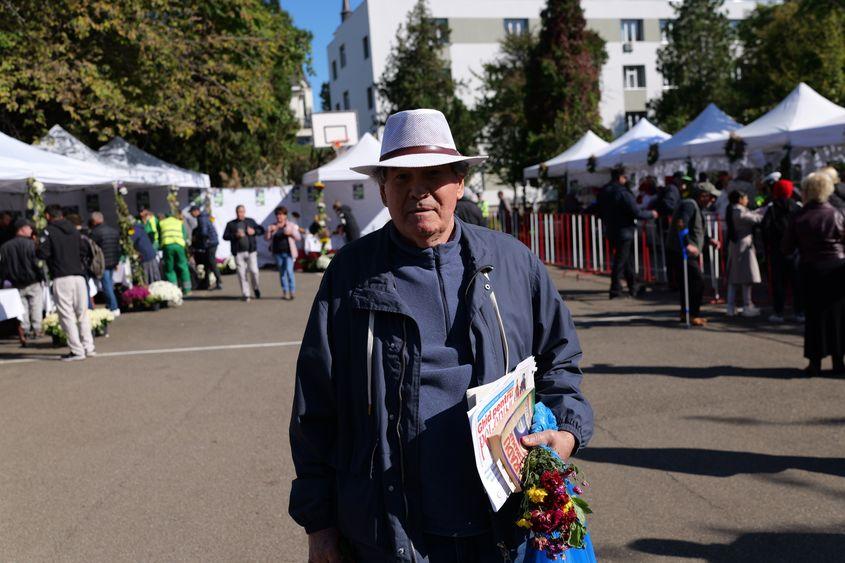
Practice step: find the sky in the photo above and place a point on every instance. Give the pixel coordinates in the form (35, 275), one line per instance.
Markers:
(321, 18)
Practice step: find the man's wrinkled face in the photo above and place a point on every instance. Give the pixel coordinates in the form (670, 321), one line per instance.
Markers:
(421, 202)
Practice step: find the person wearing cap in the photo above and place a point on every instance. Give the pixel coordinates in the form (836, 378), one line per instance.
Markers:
(205, 244)
(406, 320)
(783, 267)
(619, 211)
(19, 266)
(689, 217)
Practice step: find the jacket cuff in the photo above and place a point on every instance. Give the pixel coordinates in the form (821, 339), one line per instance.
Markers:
(575, 430)
(322, 523)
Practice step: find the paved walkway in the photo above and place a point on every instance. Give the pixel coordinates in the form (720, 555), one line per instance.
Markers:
(172, 444)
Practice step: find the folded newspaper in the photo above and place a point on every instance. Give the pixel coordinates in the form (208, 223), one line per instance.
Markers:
(499, 415)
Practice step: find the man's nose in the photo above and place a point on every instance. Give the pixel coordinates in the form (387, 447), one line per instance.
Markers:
(420, 191)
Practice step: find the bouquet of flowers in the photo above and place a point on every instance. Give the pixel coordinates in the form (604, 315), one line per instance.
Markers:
(99, 318)
(164, 291)
(551, 508)
(136, 297)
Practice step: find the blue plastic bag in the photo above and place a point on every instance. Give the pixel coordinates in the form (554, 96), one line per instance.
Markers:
(544, 419)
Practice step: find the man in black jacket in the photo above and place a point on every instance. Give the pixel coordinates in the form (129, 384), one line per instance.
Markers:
(619, 211)
(108, 239)
(62, 248)
(19, 265)
(241, 233)
(468, 211)
(205, 246)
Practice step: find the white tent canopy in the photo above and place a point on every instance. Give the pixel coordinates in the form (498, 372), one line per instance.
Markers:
(20, 161)
(148, 169)
(366, 151)
(831, 133)
(794, 119)
(632, 147)
(711, 125)
(588, 145)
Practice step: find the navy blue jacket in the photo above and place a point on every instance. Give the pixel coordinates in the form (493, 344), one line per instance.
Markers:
(619, 211)
(205, 235)
(352, 432)
(143, 244)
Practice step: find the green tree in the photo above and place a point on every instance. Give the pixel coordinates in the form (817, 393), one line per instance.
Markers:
(698, 62)
(417, 75)
(784, 44)
(502, 110)
(562, 83)
(203, 83)
(326, 97)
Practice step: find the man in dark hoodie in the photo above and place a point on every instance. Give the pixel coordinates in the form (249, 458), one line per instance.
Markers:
(62, 248)
(205, 243)
(19, 265)
(108, 239)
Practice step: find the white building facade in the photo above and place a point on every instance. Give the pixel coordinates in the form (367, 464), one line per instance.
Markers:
(633, 29)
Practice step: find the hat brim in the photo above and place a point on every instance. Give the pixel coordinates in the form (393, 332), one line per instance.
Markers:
(418, 161)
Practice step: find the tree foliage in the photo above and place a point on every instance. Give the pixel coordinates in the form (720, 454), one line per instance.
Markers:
(562, 83)
(203, 83)
(698, 61)
(784, 44)
(417, 75)
(326, 97)
(502, 110)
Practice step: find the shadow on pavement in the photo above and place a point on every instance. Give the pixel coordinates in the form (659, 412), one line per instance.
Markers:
(699, 372)
(794, 545)
(712, 463)
(744, 421)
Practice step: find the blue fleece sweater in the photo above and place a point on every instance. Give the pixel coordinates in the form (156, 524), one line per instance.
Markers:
(431, 282)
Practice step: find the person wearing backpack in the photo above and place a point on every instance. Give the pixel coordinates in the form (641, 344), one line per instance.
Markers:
(108, 239)
(784, 267)
(63, 250)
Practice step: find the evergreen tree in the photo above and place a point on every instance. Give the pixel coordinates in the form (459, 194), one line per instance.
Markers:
(784, 44)
(698, 62)
(326, 97)
(562, 91)
(417, 75)
(502, 110)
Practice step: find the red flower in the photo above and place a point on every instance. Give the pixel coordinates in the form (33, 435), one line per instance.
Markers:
(551, 480)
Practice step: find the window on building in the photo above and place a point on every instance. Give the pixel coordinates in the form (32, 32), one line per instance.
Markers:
(366, 42)
(665, 30)
(634, 77)
(346, 99)
(371, 102)
(632, 30)
(442, 25)
(337, 107)
(516, 26)
(632, 117)
(343, 56)
(334, 70)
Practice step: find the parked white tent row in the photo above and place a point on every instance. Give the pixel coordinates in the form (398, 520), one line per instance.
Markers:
(588, 145)
(126, 162)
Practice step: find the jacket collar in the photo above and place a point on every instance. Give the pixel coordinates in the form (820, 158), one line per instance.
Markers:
(376, 289)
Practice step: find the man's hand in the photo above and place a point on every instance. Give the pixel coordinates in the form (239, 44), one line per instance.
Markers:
(324, 546)
(241, 233)
(250, 231)
(655, 214)
(560, 441)
(692, 251)
(715, 244)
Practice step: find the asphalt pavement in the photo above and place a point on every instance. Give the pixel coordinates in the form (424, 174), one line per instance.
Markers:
(171, 445)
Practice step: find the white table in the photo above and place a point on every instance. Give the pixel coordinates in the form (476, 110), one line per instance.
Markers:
(11, 306)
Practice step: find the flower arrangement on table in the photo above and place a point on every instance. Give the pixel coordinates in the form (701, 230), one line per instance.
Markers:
(551, 507)
(166, 292)
(99, 318)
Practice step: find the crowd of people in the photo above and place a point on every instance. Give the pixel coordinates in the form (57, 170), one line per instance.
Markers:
(798, 232)
(73, 256)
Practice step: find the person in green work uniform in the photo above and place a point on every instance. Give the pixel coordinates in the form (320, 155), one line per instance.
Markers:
(151, 226)
(172, 238)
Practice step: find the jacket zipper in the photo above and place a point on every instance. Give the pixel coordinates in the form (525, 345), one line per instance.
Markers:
(399, 416)
(437, 265)
(485, 270)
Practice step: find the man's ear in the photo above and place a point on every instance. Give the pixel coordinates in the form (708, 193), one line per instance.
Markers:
(461, 189)
(381, 192)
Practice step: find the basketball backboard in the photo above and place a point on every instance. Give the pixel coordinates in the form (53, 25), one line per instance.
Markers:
(334, 128)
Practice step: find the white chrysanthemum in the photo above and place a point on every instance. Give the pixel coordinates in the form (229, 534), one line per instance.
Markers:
(166, 291)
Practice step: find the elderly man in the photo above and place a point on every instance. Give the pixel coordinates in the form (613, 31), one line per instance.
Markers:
(406, 320)
(241, 232)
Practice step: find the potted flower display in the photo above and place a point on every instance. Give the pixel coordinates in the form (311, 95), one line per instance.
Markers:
(99, 318)
(138, 298)
(166, 293)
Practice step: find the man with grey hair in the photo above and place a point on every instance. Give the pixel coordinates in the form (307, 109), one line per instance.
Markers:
(406, 320)
(108, 239)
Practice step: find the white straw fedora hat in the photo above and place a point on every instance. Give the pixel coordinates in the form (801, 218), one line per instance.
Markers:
(415, 139)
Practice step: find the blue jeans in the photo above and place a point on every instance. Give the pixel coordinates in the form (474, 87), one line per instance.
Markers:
(285, 265)
(108, 289)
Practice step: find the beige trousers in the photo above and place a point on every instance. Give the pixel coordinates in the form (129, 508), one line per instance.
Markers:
(71, 296)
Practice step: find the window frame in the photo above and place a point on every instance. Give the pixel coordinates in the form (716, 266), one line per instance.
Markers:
(638, 30)
(371, 99)
(334, 70)
(639, 71)
(633, 117)
(345, 97)
(366, 46)
(521, 23)
(342, 56)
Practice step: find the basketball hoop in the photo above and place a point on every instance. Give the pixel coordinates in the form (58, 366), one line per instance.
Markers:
(337, 144)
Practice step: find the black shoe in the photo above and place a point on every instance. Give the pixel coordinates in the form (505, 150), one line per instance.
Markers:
(71, 357)
(257, 293)
(615, 294)
(813, 370)
(638, 291)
